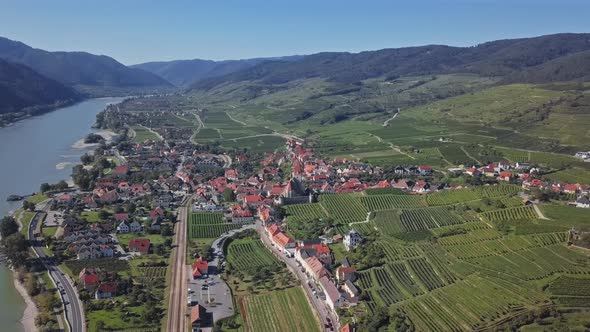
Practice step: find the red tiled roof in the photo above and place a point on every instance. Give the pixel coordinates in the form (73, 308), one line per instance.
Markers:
(141, 245)
(196, 313)
(273, 229)
(346, 328)
(119, 170)
(316, 267)
(201, 265)
(282, 239)
(121, 216)
(252, 199)
(108, 287)
(88, 277)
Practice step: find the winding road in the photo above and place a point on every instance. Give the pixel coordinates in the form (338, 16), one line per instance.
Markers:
(73, 308)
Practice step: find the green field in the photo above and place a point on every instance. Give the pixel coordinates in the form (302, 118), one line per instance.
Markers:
(280, 311)
(250, 256)
(203, 225)
(142, 134)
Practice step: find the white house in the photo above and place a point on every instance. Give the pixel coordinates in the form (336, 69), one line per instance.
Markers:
(583, 202)
(352, 239)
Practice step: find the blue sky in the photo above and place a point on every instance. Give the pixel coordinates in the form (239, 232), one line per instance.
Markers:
(134, 31)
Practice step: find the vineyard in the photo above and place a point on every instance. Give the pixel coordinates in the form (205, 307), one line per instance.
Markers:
(210, 231)
(279, 311)
(470, 304)
(208, 225)
(514, 213)
(305, 212)
(152, 272)
(388, 202)
(205, 218)
(384, 191)
(427, 218)
(447, 197)
(515, 156)
(344, 208)
(571, 286)
(250, 256)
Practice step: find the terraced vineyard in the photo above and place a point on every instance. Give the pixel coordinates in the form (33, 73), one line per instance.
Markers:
(249, 256)
(305, 212)
(570, 286)
(514, 213)
(279, 311)
(470, 304)
(454, 196)
(388, 221)
(388, 202)
(344, 208)
(427, 218)
(446, 197)
(425, 273)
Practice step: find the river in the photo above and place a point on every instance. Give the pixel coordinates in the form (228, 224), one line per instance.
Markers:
(36, 150)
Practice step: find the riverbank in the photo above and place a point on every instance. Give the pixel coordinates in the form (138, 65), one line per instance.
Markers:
(55, 132)
(107, 134)
(9, 119)
(31, 311)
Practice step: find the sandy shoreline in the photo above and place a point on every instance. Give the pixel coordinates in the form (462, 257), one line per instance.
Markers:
(107, 134)
(31, 311)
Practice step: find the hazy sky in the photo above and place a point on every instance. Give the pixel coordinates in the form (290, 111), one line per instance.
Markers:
(134, 31)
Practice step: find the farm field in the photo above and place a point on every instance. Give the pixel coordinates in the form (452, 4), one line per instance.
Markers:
(344, 208)
(305, 212)
(142, 134)
(205, 225)
(281, 311)
(250, 256)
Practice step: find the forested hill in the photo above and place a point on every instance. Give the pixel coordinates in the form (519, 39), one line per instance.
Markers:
(79, 69)
(512, 58)
(23, 89)
(185, 72)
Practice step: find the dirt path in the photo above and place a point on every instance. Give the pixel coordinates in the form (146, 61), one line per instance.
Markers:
(392, 146)
(285, 136)
(153, 132)
(539, 212)
(200, 125)
(386, 122)
(236, 120)
(470, 156)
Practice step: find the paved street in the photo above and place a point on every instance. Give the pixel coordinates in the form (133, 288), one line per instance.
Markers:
(72, 304)
(216, 296)
(319, 305)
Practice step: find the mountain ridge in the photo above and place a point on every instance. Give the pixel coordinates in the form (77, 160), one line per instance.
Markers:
(24, 90)
(184, 72)
(494, 58)
(79, 68)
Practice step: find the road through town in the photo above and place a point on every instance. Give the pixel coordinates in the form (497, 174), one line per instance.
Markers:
(320, 306)
(73, 308)
(178, 284)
